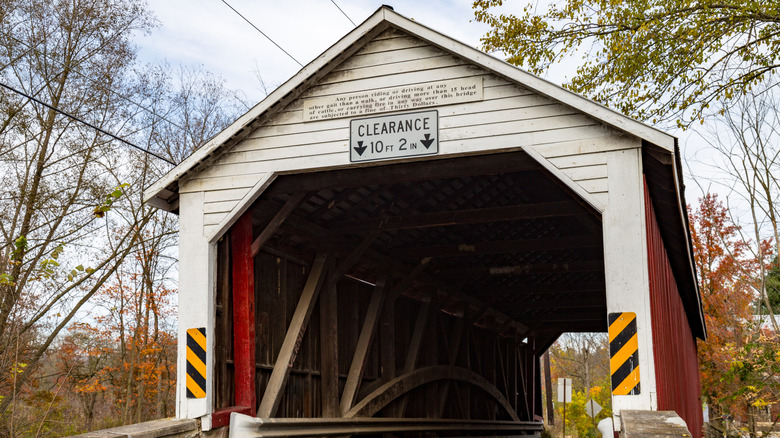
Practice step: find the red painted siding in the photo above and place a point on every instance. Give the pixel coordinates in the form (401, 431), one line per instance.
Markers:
(674, 347)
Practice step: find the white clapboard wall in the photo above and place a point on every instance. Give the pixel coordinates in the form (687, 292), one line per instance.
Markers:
(509, 117)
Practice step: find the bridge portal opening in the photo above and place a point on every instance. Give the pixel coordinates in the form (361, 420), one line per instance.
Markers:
(424, 290)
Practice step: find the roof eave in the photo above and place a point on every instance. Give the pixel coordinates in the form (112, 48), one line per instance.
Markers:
(664, 178)
(156, 193)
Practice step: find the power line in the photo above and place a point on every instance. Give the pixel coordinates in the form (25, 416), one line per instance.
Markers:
(342, 11)
(261, 32)
(102, 131)
(94, 81)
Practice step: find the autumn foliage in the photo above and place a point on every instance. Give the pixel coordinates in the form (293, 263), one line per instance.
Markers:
(122, 365)
(725, 289)
(740, 361)
(115, 365)
(583, 357)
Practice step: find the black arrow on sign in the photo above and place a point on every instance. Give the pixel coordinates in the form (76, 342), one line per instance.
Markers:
(360, 148)
(428, 141)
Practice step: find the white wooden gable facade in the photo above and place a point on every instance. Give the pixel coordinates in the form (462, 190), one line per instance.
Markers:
(518, 111)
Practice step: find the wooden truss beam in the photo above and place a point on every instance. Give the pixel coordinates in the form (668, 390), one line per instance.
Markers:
(500, 247)
(460, 217)
(415, 345)
(417, 336)
(401, 287)
(522, 269)
(292, 340)
(453, 348)
(485, 307)
(573, 326)
(387, 342)
(532, 369)
(564, 318)
(243, 312)
(387, 393)
(522, 375)
(358, 364)
(387, 321)
(557, 302)
(329, 367)
(330, 243)
(278, 219)
(497, 315)
(526, 288)
(353, 257)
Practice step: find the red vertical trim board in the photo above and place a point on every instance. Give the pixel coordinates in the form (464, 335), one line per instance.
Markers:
(243, 312)
(674, 346)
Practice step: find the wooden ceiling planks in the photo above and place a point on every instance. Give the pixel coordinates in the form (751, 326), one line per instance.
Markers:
(496, 229)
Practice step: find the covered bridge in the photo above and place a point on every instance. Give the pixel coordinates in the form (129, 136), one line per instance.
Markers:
(391, 239)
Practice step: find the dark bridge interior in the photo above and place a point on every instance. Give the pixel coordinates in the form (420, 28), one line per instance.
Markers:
(474, 265)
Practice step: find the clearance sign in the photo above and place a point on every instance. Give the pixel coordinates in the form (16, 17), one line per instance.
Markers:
(394, 136)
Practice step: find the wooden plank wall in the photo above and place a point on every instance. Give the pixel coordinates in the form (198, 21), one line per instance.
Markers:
(503, 361)
(508, 117)
(224, 375)
(674, 345)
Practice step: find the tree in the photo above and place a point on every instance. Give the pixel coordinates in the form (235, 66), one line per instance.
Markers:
(61, 185)
(654, 60)
(577, 418)
(118, 365)
(138, 320)
(772, 287)
(745, 164)
(197, 105)
(739, 362)
(726, 296)
(71, 216)
(583, 357)
(83, 358)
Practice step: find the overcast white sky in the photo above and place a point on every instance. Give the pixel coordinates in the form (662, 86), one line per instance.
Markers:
(209, 33)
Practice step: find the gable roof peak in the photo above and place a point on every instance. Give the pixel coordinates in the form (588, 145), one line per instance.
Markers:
(163, 193)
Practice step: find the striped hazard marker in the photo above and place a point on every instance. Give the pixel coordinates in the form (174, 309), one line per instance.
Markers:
(624, 353)
(196, 362)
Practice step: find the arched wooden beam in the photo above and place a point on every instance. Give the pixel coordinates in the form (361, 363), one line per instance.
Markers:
(385, 394)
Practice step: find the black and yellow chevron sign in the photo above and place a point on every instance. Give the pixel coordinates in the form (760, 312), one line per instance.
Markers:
(196, 362)
(624, 353)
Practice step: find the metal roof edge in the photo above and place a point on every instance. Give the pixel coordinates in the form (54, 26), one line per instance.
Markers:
(683, 206)
(670, 190)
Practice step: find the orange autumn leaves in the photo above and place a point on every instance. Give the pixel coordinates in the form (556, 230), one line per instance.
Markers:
(120, 363)
(738, 354)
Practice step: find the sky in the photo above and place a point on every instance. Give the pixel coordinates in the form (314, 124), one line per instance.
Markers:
(208, 33)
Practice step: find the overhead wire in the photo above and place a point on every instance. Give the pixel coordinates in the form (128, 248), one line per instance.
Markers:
(94, 81)
(261, 32)
(102, 131)
(30, 48)
(342, 11)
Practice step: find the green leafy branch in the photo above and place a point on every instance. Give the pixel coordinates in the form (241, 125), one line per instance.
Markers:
(47, 267)
(109, 200)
